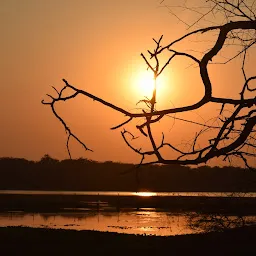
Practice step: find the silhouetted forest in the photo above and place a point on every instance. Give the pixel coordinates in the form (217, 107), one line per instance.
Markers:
(88, 175)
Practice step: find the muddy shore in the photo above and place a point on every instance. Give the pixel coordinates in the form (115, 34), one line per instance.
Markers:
(39, 241)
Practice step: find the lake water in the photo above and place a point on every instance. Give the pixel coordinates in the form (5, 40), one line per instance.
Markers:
(149, 221)
(145, 221)
(124, 193)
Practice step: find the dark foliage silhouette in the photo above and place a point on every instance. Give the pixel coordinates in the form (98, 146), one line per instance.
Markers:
(84, 174)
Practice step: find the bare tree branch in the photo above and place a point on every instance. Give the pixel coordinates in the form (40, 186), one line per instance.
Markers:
(234, 136)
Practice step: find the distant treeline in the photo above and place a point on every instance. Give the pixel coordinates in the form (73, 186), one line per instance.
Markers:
(88, 175)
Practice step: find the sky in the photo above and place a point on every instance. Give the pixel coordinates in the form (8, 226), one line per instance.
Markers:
(96, 46)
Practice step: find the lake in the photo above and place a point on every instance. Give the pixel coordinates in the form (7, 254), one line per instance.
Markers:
(81, 215)
(128, 193)
(144, 221)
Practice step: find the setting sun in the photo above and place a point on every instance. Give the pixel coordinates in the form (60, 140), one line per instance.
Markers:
(143, 84)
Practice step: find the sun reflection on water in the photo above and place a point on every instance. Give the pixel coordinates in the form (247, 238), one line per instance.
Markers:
(145, 193)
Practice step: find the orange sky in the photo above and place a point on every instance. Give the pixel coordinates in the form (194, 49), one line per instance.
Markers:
(96, 46)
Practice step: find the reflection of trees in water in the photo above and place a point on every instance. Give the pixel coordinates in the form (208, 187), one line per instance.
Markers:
(78, 216)
(216, 221)
(233, 213)
(46, 216)
(72, 215)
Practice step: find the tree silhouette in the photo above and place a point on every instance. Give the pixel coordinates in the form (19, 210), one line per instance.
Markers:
(234, 137)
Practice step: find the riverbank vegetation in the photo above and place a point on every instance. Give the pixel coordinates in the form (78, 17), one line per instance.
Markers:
(87, 175)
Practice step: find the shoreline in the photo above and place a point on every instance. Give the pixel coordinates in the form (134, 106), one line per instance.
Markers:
(203, 204)
(41, 241)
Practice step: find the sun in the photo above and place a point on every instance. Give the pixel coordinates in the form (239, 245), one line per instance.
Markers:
(143, 84)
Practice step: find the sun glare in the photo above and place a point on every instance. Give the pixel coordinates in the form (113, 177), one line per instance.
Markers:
(145, 194)
(143, 84)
